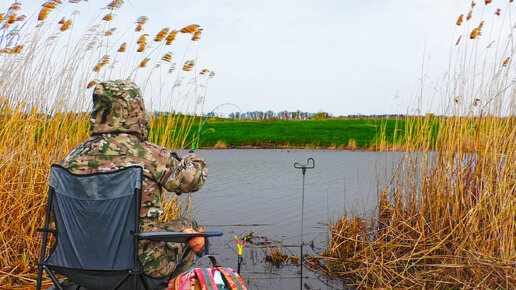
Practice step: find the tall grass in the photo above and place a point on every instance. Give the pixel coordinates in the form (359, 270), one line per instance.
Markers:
(29, 143)
(447, 219)
(48, 67)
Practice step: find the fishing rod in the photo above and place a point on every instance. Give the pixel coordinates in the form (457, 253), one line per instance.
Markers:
(211, 113)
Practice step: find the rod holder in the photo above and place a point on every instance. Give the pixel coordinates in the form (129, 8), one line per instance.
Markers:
(310, 163)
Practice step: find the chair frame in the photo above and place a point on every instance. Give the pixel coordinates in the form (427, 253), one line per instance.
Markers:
(137, 271)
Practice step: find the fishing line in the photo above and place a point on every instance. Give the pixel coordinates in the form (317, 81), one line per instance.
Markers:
(210, 114)
(499, 93)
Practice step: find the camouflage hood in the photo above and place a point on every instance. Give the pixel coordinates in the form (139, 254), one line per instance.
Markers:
(118, 108)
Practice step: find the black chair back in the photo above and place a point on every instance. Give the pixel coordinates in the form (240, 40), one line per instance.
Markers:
(97, 233)
(96, 218)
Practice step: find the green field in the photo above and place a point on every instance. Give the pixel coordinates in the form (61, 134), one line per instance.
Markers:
(330, 133)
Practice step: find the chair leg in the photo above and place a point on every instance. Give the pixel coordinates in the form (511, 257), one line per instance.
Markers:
(45, 232)
(40, 277)
(53, 278)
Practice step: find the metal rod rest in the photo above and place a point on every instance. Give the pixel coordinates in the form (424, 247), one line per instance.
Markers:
(310, 163)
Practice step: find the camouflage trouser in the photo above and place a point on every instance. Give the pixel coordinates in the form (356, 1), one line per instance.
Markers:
(160, 259)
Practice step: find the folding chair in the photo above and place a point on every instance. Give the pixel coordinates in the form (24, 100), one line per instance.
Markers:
(96, 232)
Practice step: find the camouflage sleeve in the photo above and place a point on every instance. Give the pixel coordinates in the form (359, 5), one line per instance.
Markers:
(186, 175)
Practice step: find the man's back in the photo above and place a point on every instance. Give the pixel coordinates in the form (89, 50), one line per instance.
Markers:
(119, 130)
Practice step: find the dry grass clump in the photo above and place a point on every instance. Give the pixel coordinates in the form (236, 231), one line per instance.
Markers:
(175, 206)
(352, 145)
(47, 73)
(29, 143)
(448, 217)
(276, 257)
(220, 145)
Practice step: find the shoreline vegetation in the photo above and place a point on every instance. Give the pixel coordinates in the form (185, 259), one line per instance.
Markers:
(339, 134)
(366, 134)
(51, 60)
(446, 220)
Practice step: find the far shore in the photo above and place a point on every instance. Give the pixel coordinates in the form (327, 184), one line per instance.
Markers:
(279, 146)
(338, 134)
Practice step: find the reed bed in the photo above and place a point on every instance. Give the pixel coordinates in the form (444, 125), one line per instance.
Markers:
(48, 69)
(447, 218)
(29, 143)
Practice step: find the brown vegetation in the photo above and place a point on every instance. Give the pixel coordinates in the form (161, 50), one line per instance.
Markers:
(38, 123)
(447, 219)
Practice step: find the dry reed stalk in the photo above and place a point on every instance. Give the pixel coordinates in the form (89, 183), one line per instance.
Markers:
(448, 217)
(42, 117)
(275, 256)
(29, 143)
(447, 220)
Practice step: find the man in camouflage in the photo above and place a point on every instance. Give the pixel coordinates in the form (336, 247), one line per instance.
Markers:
(119, 129)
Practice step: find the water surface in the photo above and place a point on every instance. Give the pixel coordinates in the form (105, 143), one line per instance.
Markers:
(260, 191)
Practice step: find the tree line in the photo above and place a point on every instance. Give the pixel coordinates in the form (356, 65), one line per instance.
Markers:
(300, 115)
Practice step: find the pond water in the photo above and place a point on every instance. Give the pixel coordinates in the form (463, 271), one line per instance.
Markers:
(260, 191)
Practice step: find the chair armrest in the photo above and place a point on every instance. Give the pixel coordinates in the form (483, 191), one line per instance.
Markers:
(176, 237)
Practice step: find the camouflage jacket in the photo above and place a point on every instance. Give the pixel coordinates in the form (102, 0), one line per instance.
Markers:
(119, 130)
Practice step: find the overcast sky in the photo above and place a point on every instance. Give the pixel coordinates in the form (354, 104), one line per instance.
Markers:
(337, 56)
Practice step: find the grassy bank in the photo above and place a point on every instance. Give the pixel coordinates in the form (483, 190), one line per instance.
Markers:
(180, 131)
(330, 133)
